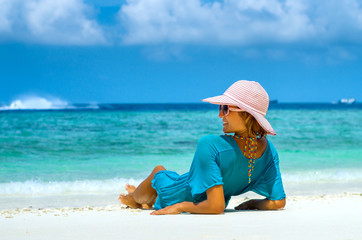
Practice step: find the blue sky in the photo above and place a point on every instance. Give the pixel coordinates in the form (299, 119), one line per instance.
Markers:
(158, 51)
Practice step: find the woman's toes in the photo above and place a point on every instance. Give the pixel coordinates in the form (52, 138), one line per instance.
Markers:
(130, 188)
(121, 196)
(129, 201)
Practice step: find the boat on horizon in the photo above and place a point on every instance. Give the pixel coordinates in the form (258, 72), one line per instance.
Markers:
(345, 101)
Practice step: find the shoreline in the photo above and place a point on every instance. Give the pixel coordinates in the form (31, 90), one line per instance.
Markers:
(12, 212)
(304, 217)
(101, 199)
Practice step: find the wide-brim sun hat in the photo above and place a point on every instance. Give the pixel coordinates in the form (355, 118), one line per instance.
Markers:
(249, 96)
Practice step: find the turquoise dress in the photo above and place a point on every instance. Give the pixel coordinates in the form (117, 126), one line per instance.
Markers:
(218, 160)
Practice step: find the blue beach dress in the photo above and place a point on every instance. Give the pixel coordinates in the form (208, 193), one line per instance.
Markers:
(218, 160)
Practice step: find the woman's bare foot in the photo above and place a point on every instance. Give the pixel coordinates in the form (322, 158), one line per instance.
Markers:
(129, 201)
(130, 188)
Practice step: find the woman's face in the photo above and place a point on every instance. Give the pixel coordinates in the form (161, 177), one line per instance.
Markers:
(233, 122)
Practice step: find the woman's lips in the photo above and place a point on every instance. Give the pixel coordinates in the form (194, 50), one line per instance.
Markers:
(224, 123)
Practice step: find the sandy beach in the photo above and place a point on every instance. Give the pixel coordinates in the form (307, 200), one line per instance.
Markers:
(261, 98)
(334, 216)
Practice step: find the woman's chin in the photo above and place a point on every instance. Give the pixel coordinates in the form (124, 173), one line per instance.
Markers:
(225, 130)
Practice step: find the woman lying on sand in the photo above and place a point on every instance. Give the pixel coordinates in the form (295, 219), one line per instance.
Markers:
(223, 166)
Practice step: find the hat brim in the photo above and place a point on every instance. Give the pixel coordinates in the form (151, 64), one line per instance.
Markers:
(260, 118)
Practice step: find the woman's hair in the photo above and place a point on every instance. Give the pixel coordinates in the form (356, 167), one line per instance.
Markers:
(252, 126)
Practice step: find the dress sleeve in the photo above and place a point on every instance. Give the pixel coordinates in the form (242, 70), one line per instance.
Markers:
(205, 171)
(271, 185)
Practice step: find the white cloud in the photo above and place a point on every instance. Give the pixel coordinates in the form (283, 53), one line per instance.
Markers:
(247, 23)
(63, 22)
(240, 22)
(5, 23)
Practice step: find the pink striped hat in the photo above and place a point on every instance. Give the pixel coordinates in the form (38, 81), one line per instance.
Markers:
(249, 96)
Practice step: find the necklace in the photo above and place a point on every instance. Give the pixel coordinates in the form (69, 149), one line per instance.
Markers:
(251, 143)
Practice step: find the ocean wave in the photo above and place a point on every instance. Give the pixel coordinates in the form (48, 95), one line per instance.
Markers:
(117, 185)
(34, 187)
(41, 103)
(323, 176)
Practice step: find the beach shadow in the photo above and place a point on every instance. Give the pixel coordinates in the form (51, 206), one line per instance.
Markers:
(229, 211)
(233, 211)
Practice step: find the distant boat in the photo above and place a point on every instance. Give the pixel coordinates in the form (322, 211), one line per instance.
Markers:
(346, 101)
(273, 101)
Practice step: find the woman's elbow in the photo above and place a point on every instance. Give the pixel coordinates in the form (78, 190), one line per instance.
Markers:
(218, 209)
(279, 204)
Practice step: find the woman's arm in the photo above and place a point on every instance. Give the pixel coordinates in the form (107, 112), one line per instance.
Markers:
(262, 204)
(214, 204)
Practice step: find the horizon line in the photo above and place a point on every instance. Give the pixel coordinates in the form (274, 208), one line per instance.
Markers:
(333, 102)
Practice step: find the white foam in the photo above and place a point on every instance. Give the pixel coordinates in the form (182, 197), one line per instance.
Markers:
(116, 185)
(42, 103)
(34, 187)
(36, 102)
(330, 175)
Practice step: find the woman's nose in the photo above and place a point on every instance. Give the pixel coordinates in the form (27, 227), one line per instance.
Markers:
(221, 114)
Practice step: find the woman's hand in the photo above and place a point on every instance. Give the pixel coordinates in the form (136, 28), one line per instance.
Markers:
(173, 209)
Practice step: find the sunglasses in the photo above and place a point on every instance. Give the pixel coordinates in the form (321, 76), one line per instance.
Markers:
(226, 109)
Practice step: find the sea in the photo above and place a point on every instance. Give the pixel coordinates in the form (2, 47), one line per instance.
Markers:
(62, 154)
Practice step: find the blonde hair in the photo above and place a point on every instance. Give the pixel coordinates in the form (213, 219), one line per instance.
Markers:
(253, 128)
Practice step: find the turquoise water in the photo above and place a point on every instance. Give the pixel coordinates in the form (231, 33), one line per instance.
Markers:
(97, 151)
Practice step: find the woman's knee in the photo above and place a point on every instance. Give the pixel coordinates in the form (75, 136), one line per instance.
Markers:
(158, 168)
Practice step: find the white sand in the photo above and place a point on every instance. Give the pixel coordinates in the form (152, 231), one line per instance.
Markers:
(319, 217)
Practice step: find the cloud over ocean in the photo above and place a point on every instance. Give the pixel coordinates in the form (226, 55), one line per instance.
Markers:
(232, 22)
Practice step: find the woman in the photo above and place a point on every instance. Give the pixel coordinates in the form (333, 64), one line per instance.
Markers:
(223, 166)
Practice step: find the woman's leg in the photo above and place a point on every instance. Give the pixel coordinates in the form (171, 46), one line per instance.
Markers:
(144, 194)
